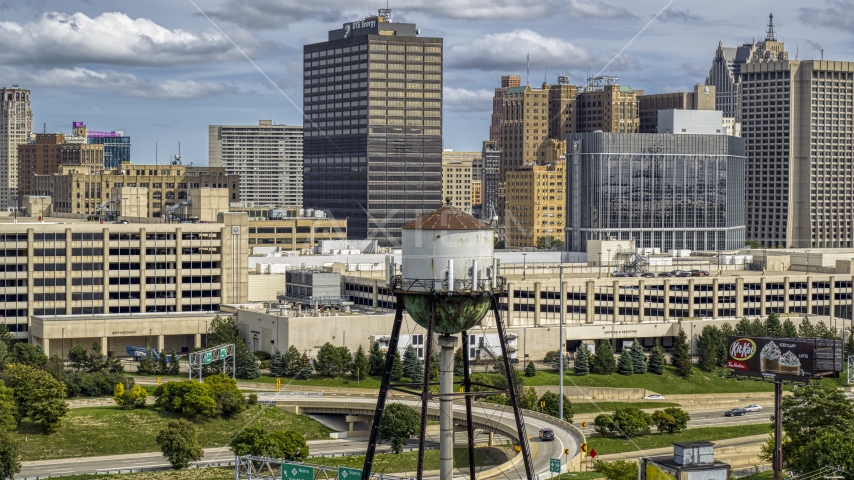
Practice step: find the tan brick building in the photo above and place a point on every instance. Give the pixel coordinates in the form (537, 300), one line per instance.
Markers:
(156, 187)
(608, 107)
(536, 198)
(49, 151)
(477, 192)
(456, 181)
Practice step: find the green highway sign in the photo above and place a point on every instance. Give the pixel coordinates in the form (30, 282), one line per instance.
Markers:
(208, 357)
(345, 473)
(223, 352)
(297, 472)
(554, 465)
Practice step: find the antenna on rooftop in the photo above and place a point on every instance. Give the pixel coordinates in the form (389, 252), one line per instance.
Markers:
(528, 68)
(769, 35)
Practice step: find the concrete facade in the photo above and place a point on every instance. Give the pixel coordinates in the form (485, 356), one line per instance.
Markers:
(16, 125)
(701, 98)
(86, 268)
(536, 200)
(296, 233)
(456, 181)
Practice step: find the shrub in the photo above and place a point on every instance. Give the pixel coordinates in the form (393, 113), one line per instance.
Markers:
(37, 396)
(603, 424)
(530, 370)
(9, 464)
(551, 406)
(631, 421)
(252, 399)
(257, 440)
(399, 422)
(179, 443)
(95, 384)
(130, 398)
(618, 469)
(671, 420)
(188, 398)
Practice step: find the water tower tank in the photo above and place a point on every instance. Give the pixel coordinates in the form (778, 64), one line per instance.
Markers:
(447, 256)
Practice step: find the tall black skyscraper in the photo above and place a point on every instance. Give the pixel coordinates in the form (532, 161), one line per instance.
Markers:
(373, 126)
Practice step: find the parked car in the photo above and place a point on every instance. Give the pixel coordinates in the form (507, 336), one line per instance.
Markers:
(630, 274)
(735, 412)
(696, 273)
(647, 274)
(547, 435)
(618, 274)
(665, 274)
(752, 408)
(121, 222)
(682, 273)
(654, 397)
(704, 273)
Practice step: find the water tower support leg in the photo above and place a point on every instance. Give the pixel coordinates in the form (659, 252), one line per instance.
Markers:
(467, 387)
(447, 344)
(425, 389)
(386, 381)
(511, 391)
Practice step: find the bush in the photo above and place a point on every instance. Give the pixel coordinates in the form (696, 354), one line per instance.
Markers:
(130, 398)
(618, 469)
(225, 393)
(38, 396)
(671, 420)
(9, 456)
(96, 384)
(530, 370)
(8, 409)
(550, 357)
(262, 355)
(179, 443)
(252, 399)
(551, 406)
(603, 424)
(188, 398)
(631, 421)
(257, 440)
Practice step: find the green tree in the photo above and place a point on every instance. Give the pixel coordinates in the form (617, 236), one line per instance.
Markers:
(603, 424)
(8, 409)
(6, 337)
(808, 413)
(626, 365)
(38, 396)
(291, 445)
(259, 441)
(291, 362)
(773, 327)
(757, 328)
(304, 373)
(603, 361)
(806, 329)
(399, 422)
(727, 330)
(179, 443)
(326, 362)
(361, 365)
(618, 470)
(823, 331)
(376, 358)
(631, 421)
(831, 447)
(277, 364)
(684, 369)
(671, 420)
(657, 360)
(223, 389)
(529, 400)
(162, 364)
(411, 362)
(4, 356)
(174, 364)
(146, 366)
(396, 367)
(681, 349)
(247, 363)
(10, 463)
(188, 398)
(26, 354)
(551, 406)
(789, 329)
(77, 356)
(849, 345)
(345, 360)
(708, 345)
(530, 369)
(582, 360)
(458, 363)
(639, 360)
(743, 327)
(751, 244)
(94, 358)
(223, 331)
(56, 368)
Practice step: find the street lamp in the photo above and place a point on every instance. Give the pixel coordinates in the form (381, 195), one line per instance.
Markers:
(808, 261)
(524, 265)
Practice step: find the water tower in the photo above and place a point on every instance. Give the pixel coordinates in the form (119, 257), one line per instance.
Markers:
(448, 282)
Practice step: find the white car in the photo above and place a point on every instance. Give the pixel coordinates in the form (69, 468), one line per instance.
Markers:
(654, 397)
(752, 408)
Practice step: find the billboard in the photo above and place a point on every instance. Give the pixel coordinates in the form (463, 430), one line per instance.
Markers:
(771, 358)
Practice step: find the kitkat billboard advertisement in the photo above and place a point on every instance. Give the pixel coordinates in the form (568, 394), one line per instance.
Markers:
(772, 358)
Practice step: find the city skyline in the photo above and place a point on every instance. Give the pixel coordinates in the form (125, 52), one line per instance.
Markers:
(141, 69)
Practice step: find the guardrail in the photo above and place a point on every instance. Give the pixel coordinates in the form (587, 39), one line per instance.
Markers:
(224, 463)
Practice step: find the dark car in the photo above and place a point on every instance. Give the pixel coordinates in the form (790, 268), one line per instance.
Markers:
(696, 273)
(618, 274)
(630, 274)
(665, 274)
(683, 274)
(735, 412)
(704, 273)
(547, 435)
(647, 274)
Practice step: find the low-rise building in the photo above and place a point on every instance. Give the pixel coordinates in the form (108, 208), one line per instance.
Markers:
(157, 188)
(48, 152)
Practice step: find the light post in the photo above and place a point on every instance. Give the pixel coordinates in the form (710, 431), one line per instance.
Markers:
(562, 348)
(808, 261)
(609, 262)
(63, 345)
(600, 264)
(206, 334)
(764, 259)
(524, 265)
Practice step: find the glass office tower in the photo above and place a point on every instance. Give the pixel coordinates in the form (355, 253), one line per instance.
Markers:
(373, 126)
(661, 190)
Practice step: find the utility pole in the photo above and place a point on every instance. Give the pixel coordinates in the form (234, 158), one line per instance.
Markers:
(561, 349)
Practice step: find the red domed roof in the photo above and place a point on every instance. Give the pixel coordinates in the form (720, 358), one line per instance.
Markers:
(447, 218)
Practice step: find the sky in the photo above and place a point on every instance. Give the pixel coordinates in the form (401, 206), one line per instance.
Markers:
(162, 71)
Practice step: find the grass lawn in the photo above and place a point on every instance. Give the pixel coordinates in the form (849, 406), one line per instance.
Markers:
(110, 431)
(608, 445)
(580, 476)
(603, 407)
(190, 474)
(668, 383)
(766, 475)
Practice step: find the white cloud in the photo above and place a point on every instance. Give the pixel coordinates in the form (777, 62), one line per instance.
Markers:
(679, 16)
(508, 52)
(275, 14)
(839, 15)
(462, 100)
(111, 38)
(122, 83)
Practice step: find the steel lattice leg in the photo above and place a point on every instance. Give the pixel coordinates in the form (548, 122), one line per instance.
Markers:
(386, 381)
(514, 397)
(469, 421)
(425, 390)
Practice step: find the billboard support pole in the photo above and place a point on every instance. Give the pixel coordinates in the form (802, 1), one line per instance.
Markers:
(778, 430)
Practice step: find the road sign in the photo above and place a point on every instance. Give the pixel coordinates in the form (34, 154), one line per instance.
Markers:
(554, 465)
(462, 389)
(583, 424)
(566, 451)
(345, 473)
(584, 447)
(297, 472)
(593, 453)
(518, 448)
(208, 357)
(223, 352)
(542, 404)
